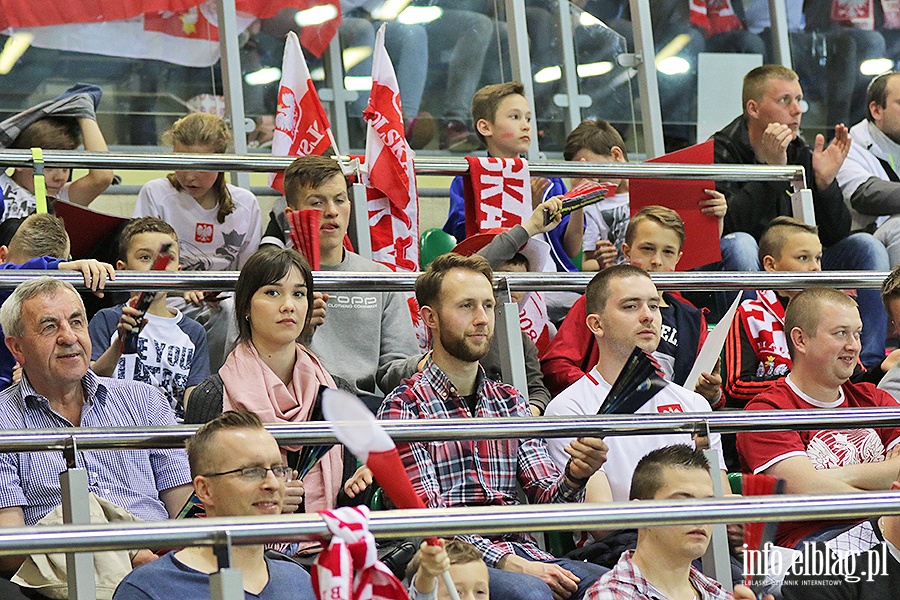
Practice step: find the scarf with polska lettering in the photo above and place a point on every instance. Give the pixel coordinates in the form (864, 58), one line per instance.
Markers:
(498, 196)
(349, 569)
(714, 16)
(860, 14)
(497, 193)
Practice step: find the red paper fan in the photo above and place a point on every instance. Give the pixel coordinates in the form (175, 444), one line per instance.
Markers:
(305, 234)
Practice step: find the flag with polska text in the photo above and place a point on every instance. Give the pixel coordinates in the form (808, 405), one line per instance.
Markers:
(301, 125)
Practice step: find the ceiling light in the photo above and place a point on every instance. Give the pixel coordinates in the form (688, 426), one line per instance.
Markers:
(316, 15)
(357, 84)
(389, 10)
(263, 76)
(354, 55)
(13, 50)
(416, 15)
(594, 69)
(548, 74)
(876, 66)
(674, 65)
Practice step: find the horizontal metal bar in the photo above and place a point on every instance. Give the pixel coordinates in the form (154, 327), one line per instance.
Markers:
(405, 282)
(429, 430)
(423, 165)
(492, 520)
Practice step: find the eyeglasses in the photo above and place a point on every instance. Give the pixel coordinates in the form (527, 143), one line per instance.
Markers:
(257, 473)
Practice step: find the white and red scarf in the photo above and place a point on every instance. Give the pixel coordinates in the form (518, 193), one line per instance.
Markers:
(349, 569)
(497, 193)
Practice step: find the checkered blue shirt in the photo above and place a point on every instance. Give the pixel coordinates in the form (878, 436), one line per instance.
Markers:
(626, 582)
(476, 473)
(131, 479)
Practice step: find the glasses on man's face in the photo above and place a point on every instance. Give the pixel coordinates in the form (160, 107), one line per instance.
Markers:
(257, 473)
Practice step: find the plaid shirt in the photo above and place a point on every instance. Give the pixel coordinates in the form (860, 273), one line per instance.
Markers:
(476, 473)
(131, 479)
(625, 582)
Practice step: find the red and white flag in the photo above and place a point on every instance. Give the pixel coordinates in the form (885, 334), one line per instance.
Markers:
(393, 200)
(183, 32)
(497, 193)
(301, 125)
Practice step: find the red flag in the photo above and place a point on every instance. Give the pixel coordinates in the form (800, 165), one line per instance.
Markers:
(301, 126)
(701, 244)
(183, 32)
(393, 200)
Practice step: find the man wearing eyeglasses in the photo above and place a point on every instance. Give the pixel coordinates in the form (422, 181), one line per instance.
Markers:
(238, 472)
(768, 133)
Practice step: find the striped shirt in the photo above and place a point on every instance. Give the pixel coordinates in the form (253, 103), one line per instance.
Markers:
(626, 582)
(131, 479)
(481, 472)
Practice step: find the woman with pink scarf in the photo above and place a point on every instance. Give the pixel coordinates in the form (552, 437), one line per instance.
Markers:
(269, 372)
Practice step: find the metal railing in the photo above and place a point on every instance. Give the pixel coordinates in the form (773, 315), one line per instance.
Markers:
(319, 432)
(423, 165)
(492, 520)
(405, 282)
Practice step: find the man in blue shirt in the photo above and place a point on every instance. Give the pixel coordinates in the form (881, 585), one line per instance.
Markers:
(46, 331)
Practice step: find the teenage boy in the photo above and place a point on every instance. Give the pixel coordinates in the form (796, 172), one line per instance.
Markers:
(606, 221)
(661, 564)
(171, 347)
(462, 560)
(54, 133)
(363, 360)
(502, 121)
(623, 313)
(756, 352)
(654, 239)
(41, 243)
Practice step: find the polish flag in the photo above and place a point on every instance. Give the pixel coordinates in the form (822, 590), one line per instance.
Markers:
(182, 32)
(390, 179)
(301, 125)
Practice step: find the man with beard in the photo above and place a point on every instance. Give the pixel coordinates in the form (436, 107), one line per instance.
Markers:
(457, 303)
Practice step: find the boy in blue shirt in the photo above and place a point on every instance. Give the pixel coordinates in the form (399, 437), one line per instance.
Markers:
(171, 352)
(502, 120)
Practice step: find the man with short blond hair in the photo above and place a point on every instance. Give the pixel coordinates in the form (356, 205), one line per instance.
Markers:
(768, 132)
(823, 337)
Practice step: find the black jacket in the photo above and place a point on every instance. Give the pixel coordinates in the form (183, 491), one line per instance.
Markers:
(753, 204)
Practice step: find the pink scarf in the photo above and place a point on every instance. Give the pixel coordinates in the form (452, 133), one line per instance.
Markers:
(349, 567)
(251, 385)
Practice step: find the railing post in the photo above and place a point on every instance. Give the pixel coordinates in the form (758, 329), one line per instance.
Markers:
(73, 485)
(509, 334)
(232, 81)
(520, 62)
(360, 233)
(717, 560)
(226, 583)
